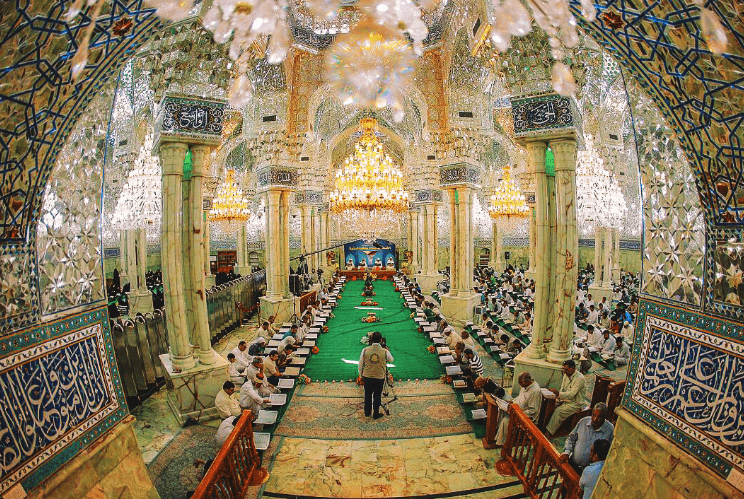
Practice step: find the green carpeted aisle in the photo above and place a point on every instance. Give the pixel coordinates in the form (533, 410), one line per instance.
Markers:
(342, 341)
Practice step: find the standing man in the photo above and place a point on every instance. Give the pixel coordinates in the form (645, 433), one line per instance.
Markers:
(590, 476)
(373, 369)
(571, 396)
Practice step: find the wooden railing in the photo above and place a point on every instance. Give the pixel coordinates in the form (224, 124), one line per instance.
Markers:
(534, 460)
(236, 466)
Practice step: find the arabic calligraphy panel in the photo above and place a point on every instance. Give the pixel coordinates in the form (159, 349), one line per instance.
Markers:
(57, 396)
(687, 381)
(188, 118)
(542, 114)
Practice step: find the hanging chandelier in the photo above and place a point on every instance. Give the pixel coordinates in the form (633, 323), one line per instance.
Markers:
(229, 205)
(368, 180)
(507, 202)
(139, 205)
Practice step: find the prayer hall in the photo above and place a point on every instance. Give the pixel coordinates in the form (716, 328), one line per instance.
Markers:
(420, 249)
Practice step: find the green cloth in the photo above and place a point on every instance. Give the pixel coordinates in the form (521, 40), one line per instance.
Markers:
(342, 341)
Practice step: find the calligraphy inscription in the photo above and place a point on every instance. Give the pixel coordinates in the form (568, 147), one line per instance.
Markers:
(543, 113)
(695, 381)
(458, 175)
(51, 394)
(280, 177)
(182, 116)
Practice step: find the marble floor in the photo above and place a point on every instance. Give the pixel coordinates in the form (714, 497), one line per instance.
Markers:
(456, 465)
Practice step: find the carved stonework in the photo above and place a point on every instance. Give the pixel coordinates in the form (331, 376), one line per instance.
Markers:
(548, 115)
(283, 177)
(459, 174)
(185, 119)
(314, 198)
(428, 196)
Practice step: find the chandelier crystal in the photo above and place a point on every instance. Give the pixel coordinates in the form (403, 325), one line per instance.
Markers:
(229, 205)
(599, 198)
(368, 181)
(139, 205)
(507, 202)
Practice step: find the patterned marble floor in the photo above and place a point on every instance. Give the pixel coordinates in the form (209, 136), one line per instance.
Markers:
(386, 468)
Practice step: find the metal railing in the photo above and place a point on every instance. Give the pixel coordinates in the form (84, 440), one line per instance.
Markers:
(534, 460)
(236, 466)
(222, 301)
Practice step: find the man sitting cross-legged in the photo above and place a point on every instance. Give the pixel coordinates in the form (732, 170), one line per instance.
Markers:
(250, 398)
(225, 402)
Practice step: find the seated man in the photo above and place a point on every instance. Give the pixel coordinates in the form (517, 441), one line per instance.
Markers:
(592, 317)
(451, 337)
(476, 366)
(235, 370)
(265, 331)
(249, 397)
(590, 475)
(571, 397)
(468, 340)
(273, 326)
(286, 346)
(271, 368)
(529, 400)
(226, 427)
(594, 337)
(622, 352)
(241, 354)
(225, 403)
(256, 345)
(608, 342)
(578, 447)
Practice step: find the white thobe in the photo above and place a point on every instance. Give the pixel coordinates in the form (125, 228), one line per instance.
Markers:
(226, 405)
(529, 400)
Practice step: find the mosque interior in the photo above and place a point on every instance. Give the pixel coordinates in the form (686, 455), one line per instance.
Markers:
(168, 167)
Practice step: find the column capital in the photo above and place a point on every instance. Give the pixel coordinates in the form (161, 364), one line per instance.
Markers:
(172, 155)
(536, 155)
(199, 155)
(564, 151)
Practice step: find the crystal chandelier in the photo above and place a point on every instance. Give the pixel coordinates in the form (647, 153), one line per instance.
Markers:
(599, 198)
(139, 205)
(507, 203)
(229, 205)
(368, 181)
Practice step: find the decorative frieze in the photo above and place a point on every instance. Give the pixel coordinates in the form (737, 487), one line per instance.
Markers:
(428, 196)
(309, 197)
(284, 177)
(547, 116)
(459, 174)
(190, 120)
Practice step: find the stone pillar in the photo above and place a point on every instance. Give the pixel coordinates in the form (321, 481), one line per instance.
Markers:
(139, 297)
(273, 245)
(209, 279)
(597, 254)
(536, 153)
(324, 242)
(284, 212)
(314, 260)
(429, 275)
(243, 266)
(413, 239)
(306, 233)
(457, 305)
(496, 248)
(195, 264)
(606, 271)
(188, 287)
(616, 258)
(566, 250)
(531, 271)
(123, 272)
(171, 156)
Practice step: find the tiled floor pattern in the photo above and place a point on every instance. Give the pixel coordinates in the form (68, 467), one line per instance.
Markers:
(386, 468)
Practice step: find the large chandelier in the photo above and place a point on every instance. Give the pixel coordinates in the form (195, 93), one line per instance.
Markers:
(599, 198)
(229, 205)
(507, 202)
(139, 205)
(369, 181)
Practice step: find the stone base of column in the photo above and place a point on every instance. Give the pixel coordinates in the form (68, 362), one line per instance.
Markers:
(547, 374)
(140, 302)
(281, 308)
(413, 269)
(459, 309)
(600, 291)
(206, 381)
(210, 280)
(242, 270)
(428, 283)
(615, 274)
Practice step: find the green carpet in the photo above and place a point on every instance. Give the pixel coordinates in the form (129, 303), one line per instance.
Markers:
(342, 341)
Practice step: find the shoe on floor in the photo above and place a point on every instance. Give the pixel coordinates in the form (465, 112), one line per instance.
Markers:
(377, 416)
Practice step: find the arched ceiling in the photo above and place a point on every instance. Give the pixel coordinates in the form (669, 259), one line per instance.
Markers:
(699, 93)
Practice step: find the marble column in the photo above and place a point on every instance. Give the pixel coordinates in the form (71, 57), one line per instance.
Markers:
(188, 287)
(242, 266)
(142, 260)
(305, 233)
(465, 226)
(454, 264)
(616, 257)
(496, 248)
(139, 297)
(195, 264)
(273, 245)
(413, 238)
(566, 249)
(172, 156)
(536, 155)
(606, 271)
(597, 255)
(285, 207)
(132, 258)
(314, 237)
(123, 273)
(324, 241)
